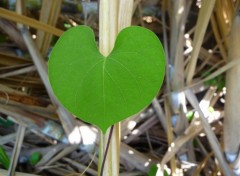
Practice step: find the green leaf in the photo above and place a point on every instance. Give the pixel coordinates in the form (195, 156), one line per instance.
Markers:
(6, 123)
(153, 170)
(105, 90)
(35, 158)
(165, 173)
(218, 81)
(4, 159)
(190, 115)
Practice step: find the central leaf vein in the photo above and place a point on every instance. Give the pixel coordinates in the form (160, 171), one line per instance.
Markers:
(104, 98)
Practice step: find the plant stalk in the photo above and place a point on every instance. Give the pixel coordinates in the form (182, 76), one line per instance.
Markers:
(113, 17)
(108, 29)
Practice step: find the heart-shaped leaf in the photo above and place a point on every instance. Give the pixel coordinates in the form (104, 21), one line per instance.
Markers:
(105, 90)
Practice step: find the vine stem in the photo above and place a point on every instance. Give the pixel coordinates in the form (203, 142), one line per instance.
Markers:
(106, 150)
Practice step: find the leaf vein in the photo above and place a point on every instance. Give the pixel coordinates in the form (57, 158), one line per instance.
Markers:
(129, 71)
(84, 77)
(118, 87)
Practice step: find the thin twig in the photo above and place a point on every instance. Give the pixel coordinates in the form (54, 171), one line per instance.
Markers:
(16, 150)
(106, 151)
(209, 133)
(7, 14)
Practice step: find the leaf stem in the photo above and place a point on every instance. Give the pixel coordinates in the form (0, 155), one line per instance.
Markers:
(106, 151)
(100, 157)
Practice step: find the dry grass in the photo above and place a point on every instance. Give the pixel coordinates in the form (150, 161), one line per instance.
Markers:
(198, 49)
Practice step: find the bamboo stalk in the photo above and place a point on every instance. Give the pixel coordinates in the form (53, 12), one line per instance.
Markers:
(7, 59)
(139, 160)
(191, 131)
(50, 154)
(209, 133)
(177, 98)
(139, 5)
(7, 138)
(177, 57)
(16, 150)
(80, 166)
(17, 115)
(170, 136)
(202, 22)
(108, 25)
(232, 110)
(218, 37)
(49, 14)
(221, 70)
(202, 164)
(143, 128)
(125, 13)
(4, 173)
(207, 58)
(108, 29)
(10, 29)
(177, 144)
(42, 111)
(224, 16)
(7, 89)
(112, 20)
(19, 71)
(7, 14)
(125, 130)
(67, 150)
(160, 114)
(165, 44)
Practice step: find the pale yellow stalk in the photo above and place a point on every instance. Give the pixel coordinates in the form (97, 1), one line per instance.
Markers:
(114, 16)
